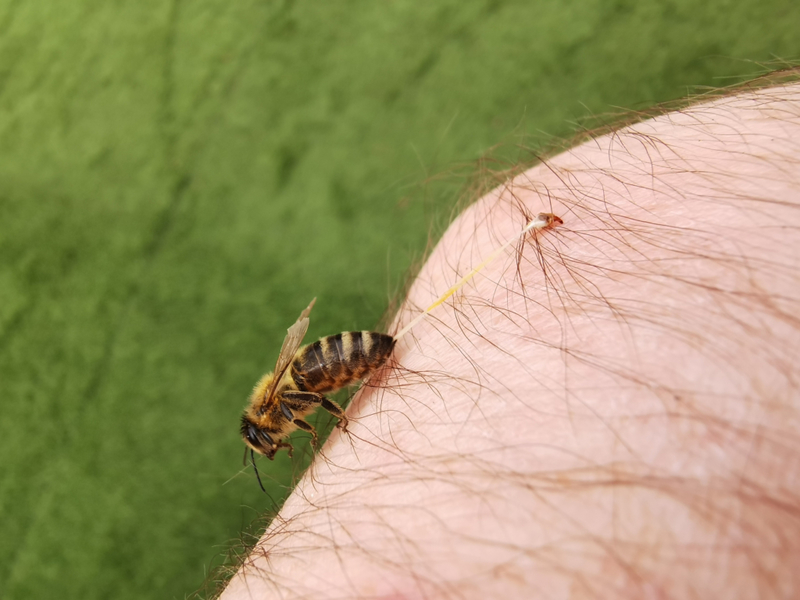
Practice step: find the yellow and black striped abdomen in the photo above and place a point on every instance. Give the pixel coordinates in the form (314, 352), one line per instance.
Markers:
(339, 360)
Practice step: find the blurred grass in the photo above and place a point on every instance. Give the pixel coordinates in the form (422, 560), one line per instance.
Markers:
(178, 179)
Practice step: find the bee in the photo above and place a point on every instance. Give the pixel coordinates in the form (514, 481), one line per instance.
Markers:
(301, 379)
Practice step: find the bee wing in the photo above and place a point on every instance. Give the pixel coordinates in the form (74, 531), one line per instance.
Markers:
(291, 343)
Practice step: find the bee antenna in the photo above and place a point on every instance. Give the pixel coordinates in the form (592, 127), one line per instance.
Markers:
(255, 468)
(244, 458)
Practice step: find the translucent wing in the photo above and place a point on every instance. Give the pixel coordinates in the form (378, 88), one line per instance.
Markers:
(291, 343)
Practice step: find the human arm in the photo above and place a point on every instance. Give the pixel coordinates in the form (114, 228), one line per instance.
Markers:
(610, 410)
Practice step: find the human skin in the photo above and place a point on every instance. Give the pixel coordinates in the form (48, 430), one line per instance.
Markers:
(609, 410)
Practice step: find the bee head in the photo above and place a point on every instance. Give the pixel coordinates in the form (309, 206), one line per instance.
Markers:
(257, 439)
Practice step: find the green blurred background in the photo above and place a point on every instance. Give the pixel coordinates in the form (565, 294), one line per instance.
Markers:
(179, 179)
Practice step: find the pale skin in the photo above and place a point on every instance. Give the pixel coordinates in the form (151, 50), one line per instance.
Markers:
(611, 413)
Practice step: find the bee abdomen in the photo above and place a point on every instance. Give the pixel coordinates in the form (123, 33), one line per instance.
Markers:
(340, 360)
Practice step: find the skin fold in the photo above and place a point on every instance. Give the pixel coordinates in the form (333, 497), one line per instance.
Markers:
(610, 409)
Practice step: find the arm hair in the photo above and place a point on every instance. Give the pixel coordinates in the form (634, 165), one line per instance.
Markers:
(609, 410)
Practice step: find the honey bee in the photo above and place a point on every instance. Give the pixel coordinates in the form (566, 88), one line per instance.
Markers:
(302, 376)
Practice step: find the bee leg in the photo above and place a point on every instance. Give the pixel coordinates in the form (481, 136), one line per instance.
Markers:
(302, 401)
(306, 427)
(286, 445)
(336, 411)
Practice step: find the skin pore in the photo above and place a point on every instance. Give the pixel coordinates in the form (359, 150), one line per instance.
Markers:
(608, 410)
